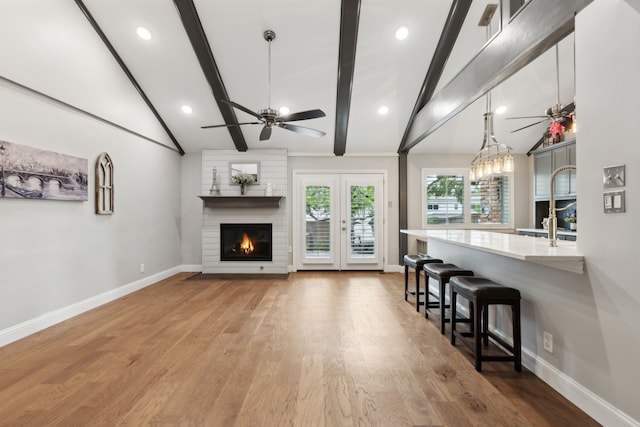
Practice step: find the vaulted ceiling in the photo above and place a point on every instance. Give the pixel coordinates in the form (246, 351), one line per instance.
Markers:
(69, 52)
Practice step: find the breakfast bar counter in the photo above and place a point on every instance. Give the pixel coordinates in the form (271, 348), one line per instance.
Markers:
(536, 250)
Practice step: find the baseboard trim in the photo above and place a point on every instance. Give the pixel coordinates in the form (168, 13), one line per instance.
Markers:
(191, 268)
(394, 268)
(592, 404)
(29, 327)
(596, 407)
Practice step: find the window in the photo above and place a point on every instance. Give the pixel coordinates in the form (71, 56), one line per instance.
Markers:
(451, 200)
(104, 185)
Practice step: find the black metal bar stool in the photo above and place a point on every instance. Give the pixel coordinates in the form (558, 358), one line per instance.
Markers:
(442, 273)
(416, 262)
(481, 293)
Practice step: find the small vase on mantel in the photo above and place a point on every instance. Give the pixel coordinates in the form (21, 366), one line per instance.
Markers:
(243, 187)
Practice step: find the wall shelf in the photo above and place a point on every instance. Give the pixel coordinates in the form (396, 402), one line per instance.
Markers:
(242, 201)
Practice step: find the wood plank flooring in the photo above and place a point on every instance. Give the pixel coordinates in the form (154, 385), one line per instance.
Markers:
(316, 349)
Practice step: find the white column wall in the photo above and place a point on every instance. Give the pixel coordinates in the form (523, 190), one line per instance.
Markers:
(607, 93)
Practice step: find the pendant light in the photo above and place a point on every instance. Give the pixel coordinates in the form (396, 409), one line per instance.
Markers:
(493, 157)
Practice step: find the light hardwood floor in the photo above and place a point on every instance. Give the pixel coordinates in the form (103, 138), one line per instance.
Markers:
(321, 348)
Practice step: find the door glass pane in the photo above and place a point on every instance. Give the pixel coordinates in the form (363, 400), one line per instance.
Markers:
(362, 235)
(318, 221)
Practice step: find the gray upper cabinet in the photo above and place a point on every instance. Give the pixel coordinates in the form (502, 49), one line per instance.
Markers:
(543, 169)
(547, 160)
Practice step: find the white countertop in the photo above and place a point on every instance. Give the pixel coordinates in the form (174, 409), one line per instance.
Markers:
(565, 256)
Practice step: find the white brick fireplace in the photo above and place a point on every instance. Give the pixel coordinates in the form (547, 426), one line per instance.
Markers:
(251, 208)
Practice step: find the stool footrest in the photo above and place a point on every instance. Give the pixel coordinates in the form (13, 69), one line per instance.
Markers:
(500, 341)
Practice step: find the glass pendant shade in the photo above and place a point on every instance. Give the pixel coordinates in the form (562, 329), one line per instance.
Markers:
(498, 165)
(508, 163)
(488, 167)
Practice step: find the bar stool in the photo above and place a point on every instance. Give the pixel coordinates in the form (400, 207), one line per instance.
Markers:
(416, 262)
(482, 293)
(442, 273)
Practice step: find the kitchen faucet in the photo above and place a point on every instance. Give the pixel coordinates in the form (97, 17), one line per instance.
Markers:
(553, 220)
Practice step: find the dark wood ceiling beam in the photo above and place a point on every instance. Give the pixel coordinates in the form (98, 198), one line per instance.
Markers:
(534, 29)
(125, 69)
(199, 42)
(349, 19)
(453, 25)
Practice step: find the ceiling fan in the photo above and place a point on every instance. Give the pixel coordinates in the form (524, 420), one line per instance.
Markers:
(269, 117)
(558, 113)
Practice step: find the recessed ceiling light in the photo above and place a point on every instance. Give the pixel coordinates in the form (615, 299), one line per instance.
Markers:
(144, 33)
(501, 109)
(186, 109)
(402, 33)
(284, 110)
(383, 110)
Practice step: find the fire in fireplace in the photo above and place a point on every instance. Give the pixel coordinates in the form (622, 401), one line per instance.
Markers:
(245, 242)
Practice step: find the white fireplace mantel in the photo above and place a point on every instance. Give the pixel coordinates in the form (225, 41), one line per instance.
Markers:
(242, 201)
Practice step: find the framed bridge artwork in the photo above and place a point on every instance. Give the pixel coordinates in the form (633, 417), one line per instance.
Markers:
(32, 173)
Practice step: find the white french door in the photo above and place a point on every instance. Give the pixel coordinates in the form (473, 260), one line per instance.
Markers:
(339, 221)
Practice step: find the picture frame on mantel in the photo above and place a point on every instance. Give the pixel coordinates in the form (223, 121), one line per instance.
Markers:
(251, 168)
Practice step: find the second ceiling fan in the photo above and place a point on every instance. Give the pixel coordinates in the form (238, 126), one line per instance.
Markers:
(558, 113)
(269, 117)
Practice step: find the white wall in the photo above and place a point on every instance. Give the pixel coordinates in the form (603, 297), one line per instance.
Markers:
(58, 253)
(607, 78)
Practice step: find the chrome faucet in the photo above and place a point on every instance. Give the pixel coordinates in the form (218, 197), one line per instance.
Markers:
(553, 220)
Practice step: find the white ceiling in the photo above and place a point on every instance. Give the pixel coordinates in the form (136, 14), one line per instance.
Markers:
(49, 46)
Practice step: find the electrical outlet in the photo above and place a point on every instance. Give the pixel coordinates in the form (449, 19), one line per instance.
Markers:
(141, 268)
(547, 342)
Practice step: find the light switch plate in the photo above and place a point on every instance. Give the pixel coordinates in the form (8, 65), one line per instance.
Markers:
(613, 202)
(613, 176)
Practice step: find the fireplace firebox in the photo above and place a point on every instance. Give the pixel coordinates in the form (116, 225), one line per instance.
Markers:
(245, 242)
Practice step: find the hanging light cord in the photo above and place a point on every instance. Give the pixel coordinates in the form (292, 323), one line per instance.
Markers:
(269, 74)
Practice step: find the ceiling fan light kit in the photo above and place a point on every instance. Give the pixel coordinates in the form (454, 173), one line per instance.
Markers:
(270, 117)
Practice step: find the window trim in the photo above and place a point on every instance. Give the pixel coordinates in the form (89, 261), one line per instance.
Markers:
(464, 172)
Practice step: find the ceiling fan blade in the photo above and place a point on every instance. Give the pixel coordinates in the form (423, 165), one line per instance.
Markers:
(242, 108)
(265, 134)
(302, 115)
(528, 126)
(305, 131)
(527, 117)
(569, 108)
(234, 124)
